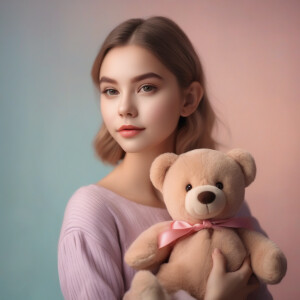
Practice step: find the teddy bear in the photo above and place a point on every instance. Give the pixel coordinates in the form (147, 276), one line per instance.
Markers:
(202, 190)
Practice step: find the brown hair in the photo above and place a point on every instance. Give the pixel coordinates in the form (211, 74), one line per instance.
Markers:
(171, 46)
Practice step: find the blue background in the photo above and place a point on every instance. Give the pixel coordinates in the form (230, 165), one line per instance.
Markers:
(49, 116)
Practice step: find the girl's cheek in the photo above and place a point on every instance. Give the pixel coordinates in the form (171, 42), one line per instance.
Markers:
(107, 114)
(162, 111)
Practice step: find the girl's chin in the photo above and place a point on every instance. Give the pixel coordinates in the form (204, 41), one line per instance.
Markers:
(135, 149)
(146, 148)
(142, 143)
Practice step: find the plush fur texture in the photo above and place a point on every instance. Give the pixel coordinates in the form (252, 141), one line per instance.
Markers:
(186, 263)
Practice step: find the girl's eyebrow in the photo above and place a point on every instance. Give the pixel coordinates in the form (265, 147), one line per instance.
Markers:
(134, 79)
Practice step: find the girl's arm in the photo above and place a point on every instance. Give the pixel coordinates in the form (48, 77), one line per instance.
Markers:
(87, 269)
(90, 263)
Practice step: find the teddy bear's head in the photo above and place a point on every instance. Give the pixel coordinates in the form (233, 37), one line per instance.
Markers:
(203, 183)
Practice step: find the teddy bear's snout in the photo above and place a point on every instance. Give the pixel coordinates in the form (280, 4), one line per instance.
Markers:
(205, 201)
(206, 197)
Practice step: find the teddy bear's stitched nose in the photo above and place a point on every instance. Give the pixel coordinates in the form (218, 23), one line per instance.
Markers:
(206, 197)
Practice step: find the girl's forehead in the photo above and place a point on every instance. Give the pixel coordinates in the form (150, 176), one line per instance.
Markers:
(130, 61)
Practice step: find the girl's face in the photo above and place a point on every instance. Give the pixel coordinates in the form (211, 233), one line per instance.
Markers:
(140, 100)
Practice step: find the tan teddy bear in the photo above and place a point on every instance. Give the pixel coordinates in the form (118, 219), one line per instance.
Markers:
(202, 190)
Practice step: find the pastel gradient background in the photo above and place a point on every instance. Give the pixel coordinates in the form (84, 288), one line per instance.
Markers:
(49, 114)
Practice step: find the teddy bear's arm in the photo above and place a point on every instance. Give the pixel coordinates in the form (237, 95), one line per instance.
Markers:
(144, 252)
(267, 260)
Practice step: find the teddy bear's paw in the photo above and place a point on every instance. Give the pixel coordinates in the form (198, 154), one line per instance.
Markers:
(145, 286)
(141, 258)
(139, 262)
(275, 266)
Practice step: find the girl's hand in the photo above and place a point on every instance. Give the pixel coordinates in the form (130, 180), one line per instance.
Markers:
(222, 285)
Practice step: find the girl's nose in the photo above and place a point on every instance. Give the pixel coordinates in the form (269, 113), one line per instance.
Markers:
(127, 107)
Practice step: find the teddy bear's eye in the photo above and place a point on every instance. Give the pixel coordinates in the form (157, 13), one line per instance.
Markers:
(188, 187)
(219, 185)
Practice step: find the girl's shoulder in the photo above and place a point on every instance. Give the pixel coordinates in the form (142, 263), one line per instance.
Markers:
(87, 201)
(88, 211)
(93, 208)
(91, 196)
(97, 198)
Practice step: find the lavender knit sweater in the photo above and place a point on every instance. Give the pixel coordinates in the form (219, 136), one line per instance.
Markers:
(98, 228)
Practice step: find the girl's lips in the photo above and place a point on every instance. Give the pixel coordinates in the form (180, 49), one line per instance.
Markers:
(128, 131)
(130, 127)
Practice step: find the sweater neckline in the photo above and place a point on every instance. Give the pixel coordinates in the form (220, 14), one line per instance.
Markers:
(127, 200)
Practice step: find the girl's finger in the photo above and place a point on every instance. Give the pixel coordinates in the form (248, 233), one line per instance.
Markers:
(219, 263)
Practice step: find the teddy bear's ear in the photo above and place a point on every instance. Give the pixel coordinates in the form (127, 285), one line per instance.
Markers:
(246, 162)
(160, 167)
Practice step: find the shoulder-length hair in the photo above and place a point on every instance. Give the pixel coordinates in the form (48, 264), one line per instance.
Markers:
(165, 39)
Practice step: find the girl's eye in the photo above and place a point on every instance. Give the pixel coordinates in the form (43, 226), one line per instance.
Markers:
(188, 187)
(147, 88)
(110, 92)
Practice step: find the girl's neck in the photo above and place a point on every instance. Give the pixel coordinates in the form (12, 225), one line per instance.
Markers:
(131, 178)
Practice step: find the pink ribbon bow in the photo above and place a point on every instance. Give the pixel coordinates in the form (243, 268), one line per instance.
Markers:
(179, 229)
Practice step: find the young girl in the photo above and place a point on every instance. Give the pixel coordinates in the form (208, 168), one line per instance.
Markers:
(153, 100)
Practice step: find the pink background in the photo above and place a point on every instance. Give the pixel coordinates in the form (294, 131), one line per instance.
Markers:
(250, 52)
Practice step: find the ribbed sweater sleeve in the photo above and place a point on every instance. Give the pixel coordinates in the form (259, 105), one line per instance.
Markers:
(89, 255)
(88, 270)
(97, 229)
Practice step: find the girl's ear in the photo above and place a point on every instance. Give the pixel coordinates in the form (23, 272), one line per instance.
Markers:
(192, 97)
